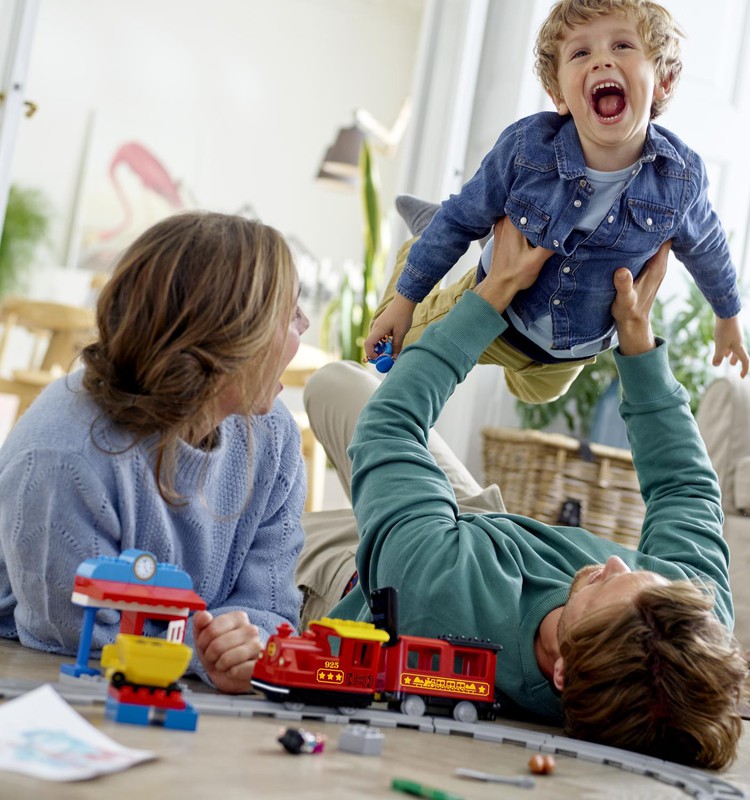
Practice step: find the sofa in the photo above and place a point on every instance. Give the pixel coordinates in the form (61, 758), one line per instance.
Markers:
(724, 422)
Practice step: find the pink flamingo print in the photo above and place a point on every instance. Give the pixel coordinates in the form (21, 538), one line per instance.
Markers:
(152, 174)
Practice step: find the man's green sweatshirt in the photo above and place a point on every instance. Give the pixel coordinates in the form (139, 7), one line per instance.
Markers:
(496, 576)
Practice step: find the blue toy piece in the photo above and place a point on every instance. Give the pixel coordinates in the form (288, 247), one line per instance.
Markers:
(183, 719)
(384, 360)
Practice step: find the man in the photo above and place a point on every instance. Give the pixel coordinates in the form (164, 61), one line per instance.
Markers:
(627, 648)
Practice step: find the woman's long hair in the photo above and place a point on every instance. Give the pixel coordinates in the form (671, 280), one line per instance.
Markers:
(193, 304)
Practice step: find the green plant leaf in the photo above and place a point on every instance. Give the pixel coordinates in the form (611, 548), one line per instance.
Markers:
(26, 225)
(350, 313)
(689, 332)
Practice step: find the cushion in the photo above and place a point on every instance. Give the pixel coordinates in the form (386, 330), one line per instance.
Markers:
(742, 485)
(724, 422)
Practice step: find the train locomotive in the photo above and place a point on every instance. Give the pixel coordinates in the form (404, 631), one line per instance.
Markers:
(351, 664)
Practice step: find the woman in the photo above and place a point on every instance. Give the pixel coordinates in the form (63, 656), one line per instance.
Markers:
(170, 440)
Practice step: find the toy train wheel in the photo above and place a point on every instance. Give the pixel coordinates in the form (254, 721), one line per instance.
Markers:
(413, 706)
(118, 679)
(347, 711)
(464, 711)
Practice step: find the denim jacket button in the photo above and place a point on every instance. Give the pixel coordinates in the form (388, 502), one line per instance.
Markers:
(523, 220)
(649, 221)
(582, 183)
(555, 302)
(610, 219)
(555, 243)
(577, 203)
(566, 270)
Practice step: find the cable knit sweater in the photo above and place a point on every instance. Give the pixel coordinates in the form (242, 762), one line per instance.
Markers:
(71, 488)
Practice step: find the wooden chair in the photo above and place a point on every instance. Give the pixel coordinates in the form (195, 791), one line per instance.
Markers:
(302, 366)
(39, 342)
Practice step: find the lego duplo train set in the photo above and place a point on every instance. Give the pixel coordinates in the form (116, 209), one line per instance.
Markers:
(335, 662)
(334, 671)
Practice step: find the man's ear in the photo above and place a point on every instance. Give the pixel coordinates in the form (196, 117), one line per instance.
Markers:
(558, 674)
(560, 105)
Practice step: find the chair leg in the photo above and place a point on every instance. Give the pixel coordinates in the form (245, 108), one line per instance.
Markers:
(315, 461)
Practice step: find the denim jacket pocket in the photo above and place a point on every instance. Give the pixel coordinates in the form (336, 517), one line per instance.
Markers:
(647, 226)
(530, 220)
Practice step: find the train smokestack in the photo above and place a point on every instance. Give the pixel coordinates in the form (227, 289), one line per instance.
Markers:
(384, 609)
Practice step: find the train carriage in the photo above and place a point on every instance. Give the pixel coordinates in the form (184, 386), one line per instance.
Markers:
(451, 672)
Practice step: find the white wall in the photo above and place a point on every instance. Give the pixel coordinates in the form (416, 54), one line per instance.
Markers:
(238, 98)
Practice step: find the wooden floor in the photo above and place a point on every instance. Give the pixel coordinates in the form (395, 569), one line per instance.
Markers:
(239, 757)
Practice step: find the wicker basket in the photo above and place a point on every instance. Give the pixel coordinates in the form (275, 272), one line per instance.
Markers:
(538, 472)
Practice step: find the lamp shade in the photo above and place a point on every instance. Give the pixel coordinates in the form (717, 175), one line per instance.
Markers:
(343, 157)
(340, 182)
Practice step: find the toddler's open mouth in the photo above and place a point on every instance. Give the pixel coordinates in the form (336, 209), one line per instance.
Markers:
(608, 100)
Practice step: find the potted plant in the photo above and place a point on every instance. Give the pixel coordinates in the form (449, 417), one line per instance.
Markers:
(346, 321)
(689, 334)
(26, 225)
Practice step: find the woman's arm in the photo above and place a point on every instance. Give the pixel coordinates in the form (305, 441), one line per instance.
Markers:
(262, 593)
(54, 514)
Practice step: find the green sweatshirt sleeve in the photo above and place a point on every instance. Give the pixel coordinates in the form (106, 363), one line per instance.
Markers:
(400, 496)
(683, 522)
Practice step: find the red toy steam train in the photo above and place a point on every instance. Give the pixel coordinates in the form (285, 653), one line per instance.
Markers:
(351, 664)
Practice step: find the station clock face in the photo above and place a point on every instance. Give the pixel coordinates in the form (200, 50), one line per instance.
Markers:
(144, 567)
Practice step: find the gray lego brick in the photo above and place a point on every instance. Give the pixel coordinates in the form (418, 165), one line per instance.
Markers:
(362, 740)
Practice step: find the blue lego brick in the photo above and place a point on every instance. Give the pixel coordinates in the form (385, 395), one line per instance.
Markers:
(185, 719)
(120, 569)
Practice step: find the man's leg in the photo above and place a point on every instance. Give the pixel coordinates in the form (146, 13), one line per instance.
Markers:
(334, 397)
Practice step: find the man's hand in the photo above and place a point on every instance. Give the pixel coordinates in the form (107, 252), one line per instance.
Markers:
(515, 265)
(395, 321)
(632, 307)
(228, 647)
(728, 344)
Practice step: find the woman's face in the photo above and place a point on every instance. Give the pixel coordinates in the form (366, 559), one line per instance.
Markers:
(286, 343)
(288, 337)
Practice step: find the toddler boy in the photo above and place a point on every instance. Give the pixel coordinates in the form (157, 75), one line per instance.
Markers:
(597, 183)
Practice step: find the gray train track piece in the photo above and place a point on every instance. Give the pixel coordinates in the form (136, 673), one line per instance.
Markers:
(697, 784)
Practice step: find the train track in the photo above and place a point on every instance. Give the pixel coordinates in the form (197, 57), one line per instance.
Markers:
(697, 784)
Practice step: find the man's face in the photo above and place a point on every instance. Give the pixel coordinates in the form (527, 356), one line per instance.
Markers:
(607, 83)
(598, 586)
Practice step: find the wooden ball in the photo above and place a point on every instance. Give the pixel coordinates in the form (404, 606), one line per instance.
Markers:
(542, 764)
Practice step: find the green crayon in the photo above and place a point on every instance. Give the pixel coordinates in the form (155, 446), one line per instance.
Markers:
(418, 790)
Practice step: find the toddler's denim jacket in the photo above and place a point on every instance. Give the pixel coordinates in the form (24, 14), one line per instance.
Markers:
(535, 174)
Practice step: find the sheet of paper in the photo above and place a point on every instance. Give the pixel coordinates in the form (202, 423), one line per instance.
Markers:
(42, 736)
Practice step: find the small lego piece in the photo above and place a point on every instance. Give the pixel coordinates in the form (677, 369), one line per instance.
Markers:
(361, 739)
(542, 764)
(384, 360)
(297, 740)
(489, 777)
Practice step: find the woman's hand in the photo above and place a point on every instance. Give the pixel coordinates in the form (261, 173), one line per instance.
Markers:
(228, 647)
